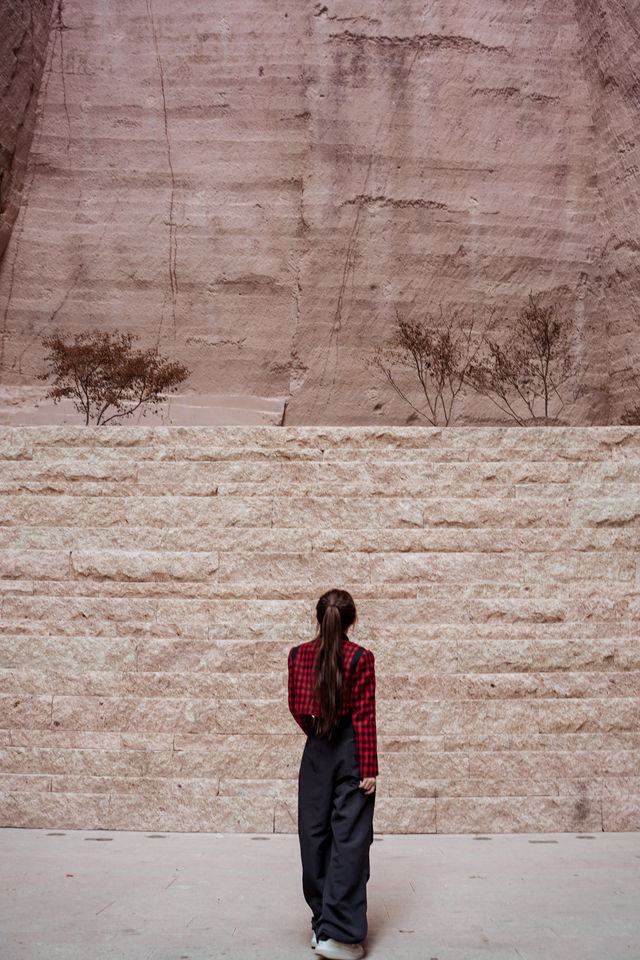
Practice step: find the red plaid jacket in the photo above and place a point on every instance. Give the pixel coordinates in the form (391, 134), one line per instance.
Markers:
(358, 698)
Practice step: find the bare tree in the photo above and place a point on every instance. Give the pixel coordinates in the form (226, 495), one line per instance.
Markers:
(439, 352)
(531, 364)
(100, 370)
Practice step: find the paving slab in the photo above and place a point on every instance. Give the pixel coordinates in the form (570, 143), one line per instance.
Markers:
(71, 894)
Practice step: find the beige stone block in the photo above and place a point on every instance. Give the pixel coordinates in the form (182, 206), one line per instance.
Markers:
(633, 606)
(57, 738)
(24, 783)
(512, 472)
(44, 810)
(627, 653)
(613, 511)
(541, 685)
(454, 568)
(621, 813)
(239, 756)
(490, 512)
(144, 565)
(247, 716)
(17, 588)
(412, 718)
(539, 742)
(379, 490)
(489, 716)
(285, 789)
(342, 512)
(182, 475)
(598, 786)
(93, 761)
(550, 609)
(80, 653)
(96, 614)
(23, 683)
(15, 445)
(174, 511)
(496, 538)
(621, 786)
(603, 565)
(236, 617)
(191, 814)
(373, 475)
(312, 568)
(28, 711)
(39, 564)
(119, 713)
(517, 814)
(535, 764)
(406, 744)
(53, 440)
(121, 474)
(536, 653)
(71, 487)
(91, 538)
(472, 787)
(147, 740)
(404, 815)
(257, 656)
(582, 488)
(416, 765)
(613, 713)
(411, 686)
(544, 714)
(141, 786)
(203, 684)
(408, 655)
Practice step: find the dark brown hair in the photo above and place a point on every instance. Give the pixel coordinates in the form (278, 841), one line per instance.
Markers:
(335, 612)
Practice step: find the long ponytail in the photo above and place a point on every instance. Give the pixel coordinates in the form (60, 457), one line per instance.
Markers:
(335, 612)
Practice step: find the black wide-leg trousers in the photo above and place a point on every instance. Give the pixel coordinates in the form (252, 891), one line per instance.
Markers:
(335, 829)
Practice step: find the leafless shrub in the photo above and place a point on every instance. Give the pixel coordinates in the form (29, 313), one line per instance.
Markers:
(438, 351)
(99, 370)
(531, 364)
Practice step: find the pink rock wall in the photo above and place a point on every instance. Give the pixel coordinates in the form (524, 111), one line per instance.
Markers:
(255, 187)
(610, 31)
(24, 33)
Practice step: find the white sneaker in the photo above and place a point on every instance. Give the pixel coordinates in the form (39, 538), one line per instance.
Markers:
(314, 941)
(336, 950)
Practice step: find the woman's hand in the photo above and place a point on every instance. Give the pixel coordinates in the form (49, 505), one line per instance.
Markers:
(369, 784)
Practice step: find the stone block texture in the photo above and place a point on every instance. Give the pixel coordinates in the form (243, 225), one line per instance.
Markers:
(153, 580)
(255, 187)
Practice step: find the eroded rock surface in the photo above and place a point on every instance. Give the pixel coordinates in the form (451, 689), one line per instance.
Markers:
(24, 32)
(256, 187)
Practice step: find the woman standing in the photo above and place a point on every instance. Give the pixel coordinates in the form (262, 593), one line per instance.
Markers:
(332, 697)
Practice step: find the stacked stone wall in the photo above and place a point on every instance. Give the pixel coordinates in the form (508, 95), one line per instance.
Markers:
(153, 580)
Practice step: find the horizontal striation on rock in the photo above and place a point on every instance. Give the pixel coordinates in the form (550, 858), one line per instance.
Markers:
(256, 189)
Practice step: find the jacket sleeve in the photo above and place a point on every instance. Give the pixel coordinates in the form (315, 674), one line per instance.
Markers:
(300, 720)
(364, 715)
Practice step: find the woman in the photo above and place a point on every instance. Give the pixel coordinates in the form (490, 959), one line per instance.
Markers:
(332, 697)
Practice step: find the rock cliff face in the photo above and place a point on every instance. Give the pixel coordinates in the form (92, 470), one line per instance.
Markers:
(23, 46)
(610, 31)
(256, 187)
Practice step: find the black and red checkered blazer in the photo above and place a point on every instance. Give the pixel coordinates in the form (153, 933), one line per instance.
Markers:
(358, 697)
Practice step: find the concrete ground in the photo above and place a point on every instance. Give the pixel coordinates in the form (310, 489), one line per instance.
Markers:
(70, 894)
